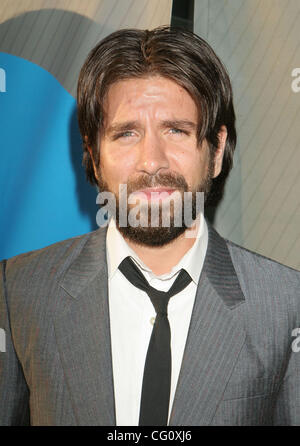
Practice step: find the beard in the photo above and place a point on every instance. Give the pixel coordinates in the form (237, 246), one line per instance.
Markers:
(159, 235)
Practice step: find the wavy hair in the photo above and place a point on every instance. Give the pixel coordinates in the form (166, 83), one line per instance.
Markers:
(174, 53)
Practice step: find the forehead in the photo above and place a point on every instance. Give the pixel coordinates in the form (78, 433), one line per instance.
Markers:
(154, 94)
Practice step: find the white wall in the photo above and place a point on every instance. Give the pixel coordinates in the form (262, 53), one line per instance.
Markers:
(58, 34)
(259, 42)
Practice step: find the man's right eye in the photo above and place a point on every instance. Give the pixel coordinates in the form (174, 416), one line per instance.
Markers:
(126, 134)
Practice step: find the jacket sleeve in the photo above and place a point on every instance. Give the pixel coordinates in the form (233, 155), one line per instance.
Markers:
(14, 393)
(287, 409)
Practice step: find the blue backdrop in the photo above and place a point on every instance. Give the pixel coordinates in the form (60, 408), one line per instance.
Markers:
(44, 195)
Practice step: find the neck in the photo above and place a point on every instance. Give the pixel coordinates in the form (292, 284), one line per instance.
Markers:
(161, 259)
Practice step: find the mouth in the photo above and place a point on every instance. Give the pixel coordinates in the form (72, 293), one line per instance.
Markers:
(153, 193)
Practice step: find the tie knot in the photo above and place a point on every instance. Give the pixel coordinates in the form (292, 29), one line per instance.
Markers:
(159, 299)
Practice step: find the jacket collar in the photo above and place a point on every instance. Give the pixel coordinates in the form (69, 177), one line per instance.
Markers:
(83, 334)
(218, 267)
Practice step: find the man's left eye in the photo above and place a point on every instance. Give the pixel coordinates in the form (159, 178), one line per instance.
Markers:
(177, 131)
(125, 134)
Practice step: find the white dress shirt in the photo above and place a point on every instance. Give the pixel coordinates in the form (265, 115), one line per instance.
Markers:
(132, 317)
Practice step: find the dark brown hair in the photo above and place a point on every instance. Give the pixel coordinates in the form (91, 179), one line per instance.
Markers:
(174, 53)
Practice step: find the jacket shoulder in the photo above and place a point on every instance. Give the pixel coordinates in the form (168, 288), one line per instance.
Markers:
(57, 255)
(265, 280)
(259, 260)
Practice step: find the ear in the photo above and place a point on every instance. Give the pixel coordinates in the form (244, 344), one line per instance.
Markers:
(91, 155)
(222, 136)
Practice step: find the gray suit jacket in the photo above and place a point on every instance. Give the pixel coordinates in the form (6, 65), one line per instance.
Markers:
(238, 368)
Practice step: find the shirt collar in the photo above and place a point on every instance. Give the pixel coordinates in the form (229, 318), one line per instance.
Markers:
(118, 249)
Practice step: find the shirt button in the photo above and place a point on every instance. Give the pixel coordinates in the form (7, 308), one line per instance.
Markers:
(152, 320)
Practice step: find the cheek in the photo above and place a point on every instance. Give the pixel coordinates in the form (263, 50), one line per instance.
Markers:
(114, 167)
(192, 165)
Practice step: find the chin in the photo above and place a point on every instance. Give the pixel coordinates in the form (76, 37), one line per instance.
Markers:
(148, 236)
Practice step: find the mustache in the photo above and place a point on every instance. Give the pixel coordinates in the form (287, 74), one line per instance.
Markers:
(160, 180)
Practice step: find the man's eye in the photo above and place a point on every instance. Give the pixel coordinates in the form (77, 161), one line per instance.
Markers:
(176, 131)
(126, 134)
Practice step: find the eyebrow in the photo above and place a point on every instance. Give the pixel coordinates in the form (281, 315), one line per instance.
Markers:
(182, 123)
(119, 127)
(122, 127)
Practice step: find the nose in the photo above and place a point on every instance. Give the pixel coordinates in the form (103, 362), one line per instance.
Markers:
(152, 155)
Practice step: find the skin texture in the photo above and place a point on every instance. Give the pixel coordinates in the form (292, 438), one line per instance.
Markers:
(150, 134)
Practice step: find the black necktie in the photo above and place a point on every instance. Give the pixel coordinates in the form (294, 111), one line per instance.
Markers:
(157, 372)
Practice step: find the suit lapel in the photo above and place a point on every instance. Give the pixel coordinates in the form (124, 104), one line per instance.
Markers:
(83, 334)
(82, 330)
(214, 341)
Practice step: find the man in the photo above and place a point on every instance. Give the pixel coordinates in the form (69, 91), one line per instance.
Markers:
(151, 324)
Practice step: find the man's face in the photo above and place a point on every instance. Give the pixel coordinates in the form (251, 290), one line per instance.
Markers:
(149, 143)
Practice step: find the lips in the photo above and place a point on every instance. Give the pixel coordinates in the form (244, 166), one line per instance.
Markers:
(153, 193)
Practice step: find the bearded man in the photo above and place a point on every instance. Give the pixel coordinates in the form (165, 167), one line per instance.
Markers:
(153, 319)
